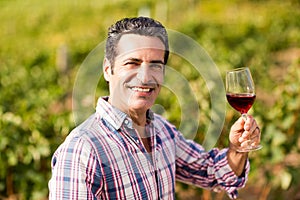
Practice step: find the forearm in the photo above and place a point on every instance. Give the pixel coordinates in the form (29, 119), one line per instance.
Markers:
(236, 161)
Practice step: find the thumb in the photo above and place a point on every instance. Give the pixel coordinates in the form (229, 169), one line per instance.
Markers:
(238, 125)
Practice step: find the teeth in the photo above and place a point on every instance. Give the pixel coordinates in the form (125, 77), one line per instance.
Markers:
(141, 89)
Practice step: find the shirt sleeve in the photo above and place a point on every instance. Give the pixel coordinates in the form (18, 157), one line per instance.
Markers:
(208, 170)
(75, 172)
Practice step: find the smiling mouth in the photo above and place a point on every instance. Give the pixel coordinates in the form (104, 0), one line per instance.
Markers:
(141, 89)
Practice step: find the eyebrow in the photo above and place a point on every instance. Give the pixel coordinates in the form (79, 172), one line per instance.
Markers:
(132, 59)
(139, 60)
(157, 61)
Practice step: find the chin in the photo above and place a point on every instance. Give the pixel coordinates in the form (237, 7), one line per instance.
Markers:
(142, 106)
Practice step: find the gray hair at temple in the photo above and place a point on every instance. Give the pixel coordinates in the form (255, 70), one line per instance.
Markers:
(138, 25)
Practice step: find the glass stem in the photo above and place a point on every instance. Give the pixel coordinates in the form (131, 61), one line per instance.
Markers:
(244, 115)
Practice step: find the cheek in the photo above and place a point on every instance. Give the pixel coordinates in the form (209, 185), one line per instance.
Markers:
(159, 78)
(122, 77)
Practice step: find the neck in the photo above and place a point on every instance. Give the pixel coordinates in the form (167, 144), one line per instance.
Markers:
(139, 118)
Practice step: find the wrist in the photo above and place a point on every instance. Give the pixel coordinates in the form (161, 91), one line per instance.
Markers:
(234, 149)
(236, 160)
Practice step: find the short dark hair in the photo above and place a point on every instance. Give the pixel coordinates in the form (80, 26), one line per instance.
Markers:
(138, 25)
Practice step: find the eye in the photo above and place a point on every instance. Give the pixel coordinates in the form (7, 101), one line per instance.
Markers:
(157, 66)
(131, 64)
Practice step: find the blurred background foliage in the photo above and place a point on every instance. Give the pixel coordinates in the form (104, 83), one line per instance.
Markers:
(43, 44)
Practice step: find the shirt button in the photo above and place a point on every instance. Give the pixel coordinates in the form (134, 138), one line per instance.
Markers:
(126, 121)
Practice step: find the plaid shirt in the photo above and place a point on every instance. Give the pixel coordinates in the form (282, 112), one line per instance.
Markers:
(104, 158)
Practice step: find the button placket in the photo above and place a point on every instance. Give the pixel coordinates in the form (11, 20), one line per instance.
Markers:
(132, 135)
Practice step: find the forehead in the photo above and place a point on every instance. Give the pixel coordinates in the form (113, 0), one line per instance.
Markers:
(132, 43)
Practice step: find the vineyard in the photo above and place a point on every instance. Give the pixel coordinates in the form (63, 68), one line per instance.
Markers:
(45, 45)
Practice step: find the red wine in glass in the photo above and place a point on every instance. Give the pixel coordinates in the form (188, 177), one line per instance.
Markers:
(240, 94)
(241, 102)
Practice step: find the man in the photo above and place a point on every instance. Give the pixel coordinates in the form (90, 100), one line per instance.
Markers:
(124, 150)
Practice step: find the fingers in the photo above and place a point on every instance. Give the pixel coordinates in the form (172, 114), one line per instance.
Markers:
(251, 138)
(238, 125)
(245, 133)
(250, 124)
(255, 136)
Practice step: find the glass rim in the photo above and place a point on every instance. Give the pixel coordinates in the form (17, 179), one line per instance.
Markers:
(237, 69)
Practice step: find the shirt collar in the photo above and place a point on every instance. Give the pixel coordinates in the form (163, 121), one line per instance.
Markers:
(115, 116)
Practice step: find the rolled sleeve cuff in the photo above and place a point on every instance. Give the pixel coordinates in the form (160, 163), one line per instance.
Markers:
(227, 179)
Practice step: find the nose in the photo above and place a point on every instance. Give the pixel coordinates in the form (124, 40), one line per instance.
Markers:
(144, 74)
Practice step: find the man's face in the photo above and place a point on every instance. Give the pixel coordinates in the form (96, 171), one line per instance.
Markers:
(138, 73)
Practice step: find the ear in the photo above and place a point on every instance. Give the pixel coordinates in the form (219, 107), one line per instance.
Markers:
(106, 69)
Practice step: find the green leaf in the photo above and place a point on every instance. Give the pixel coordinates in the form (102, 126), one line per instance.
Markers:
(286, 179)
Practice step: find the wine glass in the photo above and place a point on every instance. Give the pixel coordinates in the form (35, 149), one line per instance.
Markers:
(240, 94)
